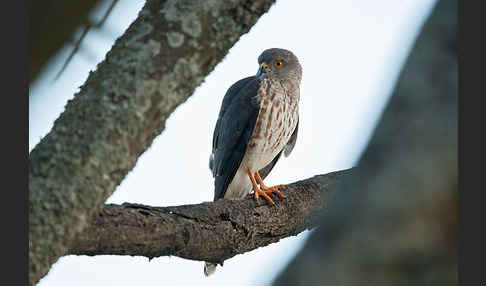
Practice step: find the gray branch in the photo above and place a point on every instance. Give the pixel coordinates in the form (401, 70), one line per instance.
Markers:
(52, 24)
(150, 70)
(211, 231)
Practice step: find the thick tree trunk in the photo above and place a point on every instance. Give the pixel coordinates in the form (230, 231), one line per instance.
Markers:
(212, 231)
(395, 221)
(155, 66)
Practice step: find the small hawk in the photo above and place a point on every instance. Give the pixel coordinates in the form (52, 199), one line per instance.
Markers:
(258, 121)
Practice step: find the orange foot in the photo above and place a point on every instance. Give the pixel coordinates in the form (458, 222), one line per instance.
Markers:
(263, 190)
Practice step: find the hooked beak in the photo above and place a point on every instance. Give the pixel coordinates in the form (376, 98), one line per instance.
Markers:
(262, 70)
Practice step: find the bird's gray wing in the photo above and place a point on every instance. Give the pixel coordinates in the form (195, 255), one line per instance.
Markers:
(266, 170)
(227, 99)
(291, 143)
(232, 132)
(286, 150)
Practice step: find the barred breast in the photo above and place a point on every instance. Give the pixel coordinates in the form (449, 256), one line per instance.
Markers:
(276, 121)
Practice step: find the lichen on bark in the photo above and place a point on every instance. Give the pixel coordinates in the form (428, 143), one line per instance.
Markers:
(118, 112)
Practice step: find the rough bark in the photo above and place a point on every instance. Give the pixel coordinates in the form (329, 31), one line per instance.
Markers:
(51, 25)
(211, 231)
(395, 220)
(151, 69)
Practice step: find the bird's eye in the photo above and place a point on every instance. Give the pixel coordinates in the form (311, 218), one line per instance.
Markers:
(278, 64)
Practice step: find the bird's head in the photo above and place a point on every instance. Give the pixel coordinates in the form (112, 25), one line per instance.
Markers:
(279, 64)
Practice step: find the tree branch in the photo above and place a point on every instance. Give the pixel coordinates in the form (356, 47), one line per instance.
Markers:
(211, 231)
(52, 23)
(86, 29)
(151, 69)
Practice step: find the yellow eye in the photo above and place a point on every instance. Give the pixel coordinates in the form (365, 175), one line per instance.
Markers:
(278, 64)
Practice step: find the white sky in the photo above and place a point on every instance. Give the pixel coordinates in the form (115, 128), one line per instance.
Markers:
(351, 53)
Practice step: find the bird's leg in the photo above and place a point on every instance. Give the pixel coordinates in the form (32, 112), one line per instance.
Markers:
(256, 189)
(269, 190)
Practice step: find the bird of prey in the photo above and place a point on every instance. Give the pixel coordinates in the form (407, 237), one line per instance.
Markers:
(257, 122)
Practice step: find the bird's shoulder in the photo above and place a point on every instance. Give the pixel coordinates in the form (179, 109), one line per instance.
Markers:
(240, 91)
(239, 100)
(233, 130)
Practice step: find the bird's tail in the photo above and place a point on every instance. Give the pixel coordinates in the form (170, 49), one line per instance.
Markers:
(209, 268)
